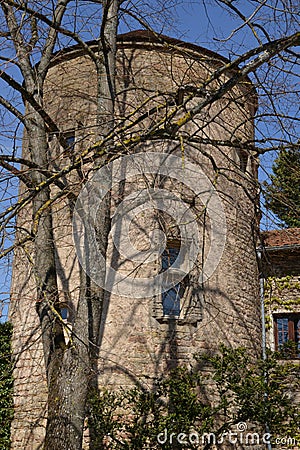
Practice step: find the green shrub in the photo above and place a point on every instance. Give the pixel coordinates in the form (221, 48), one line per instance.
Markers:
(222, 391)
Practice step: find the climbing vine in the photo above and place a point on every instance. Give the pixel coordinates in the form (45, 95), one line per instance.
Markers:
(276, 290)
(282, 294)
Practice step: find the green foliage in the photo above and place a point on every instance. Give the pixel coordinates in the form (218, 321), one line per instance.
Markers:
(283, 193)
(278, 292)
(132, 419)
(222, 391)
(6, 385)
(289, 350)
(258, 392)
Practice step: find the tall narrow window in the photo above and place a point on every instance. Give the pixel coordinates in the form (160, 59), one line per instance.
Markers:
(171, 297)
(69, 136)
(287, 334)
(70, 139)
(243, 159)
(183, 300)
(64, 313)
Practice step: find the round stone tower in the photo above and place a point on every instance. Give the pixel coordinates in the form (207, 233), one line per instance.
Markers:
(181, 261)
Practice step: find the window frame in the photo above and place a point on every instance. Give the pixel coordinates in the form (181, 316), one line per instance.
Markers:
(70, 138)
(64, 312)
(243, 159)
(293, 334)
(180, 287)
(191, 298)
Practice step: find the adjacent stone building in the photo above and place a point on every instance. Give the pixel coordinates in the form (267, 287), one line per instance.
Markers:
(282, 290)
(142, 337)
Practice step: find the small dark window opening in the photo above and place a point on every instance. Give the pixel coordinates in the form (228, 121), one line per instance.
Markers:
(64, 312)
(171, 298)
(243, 160)
(70, 139)
(287, 335)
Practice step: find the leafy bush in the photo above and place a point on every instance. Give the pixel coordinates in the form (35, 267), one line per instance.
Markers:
(222, 391)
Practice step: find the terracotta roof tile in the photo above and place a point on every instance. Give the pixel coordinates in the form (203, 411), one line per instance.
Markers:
(280, 238)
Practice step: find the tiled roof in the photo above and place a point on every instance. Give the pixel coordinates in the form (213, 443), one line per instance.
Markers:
(281, 238)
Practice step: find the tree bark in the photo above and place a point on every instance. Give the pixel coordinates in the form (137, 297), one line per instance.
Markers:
(106, 67)
(76, 374)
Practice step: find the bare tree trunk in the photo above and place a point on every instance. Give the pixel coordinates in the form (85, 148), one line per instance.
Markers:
(106, 66)
(77, 373)
(67, 367)
(65, 411)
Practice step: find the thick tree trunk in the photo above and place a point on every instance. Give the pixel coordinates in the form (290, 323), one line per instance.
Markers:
(67, 401)
(106, 68)
(67, 366)
(72, 369)
(74, 372)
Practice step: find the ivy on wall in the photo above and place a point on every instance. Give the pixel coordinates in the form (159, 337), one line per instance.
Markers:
(283, 292)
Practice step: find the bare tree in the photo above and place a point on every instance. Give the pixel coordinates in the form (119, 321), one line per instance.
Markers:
(30, 34)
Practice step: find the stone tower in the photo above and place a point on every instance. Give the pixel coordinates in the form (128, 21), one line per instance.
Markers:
(215, 298)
